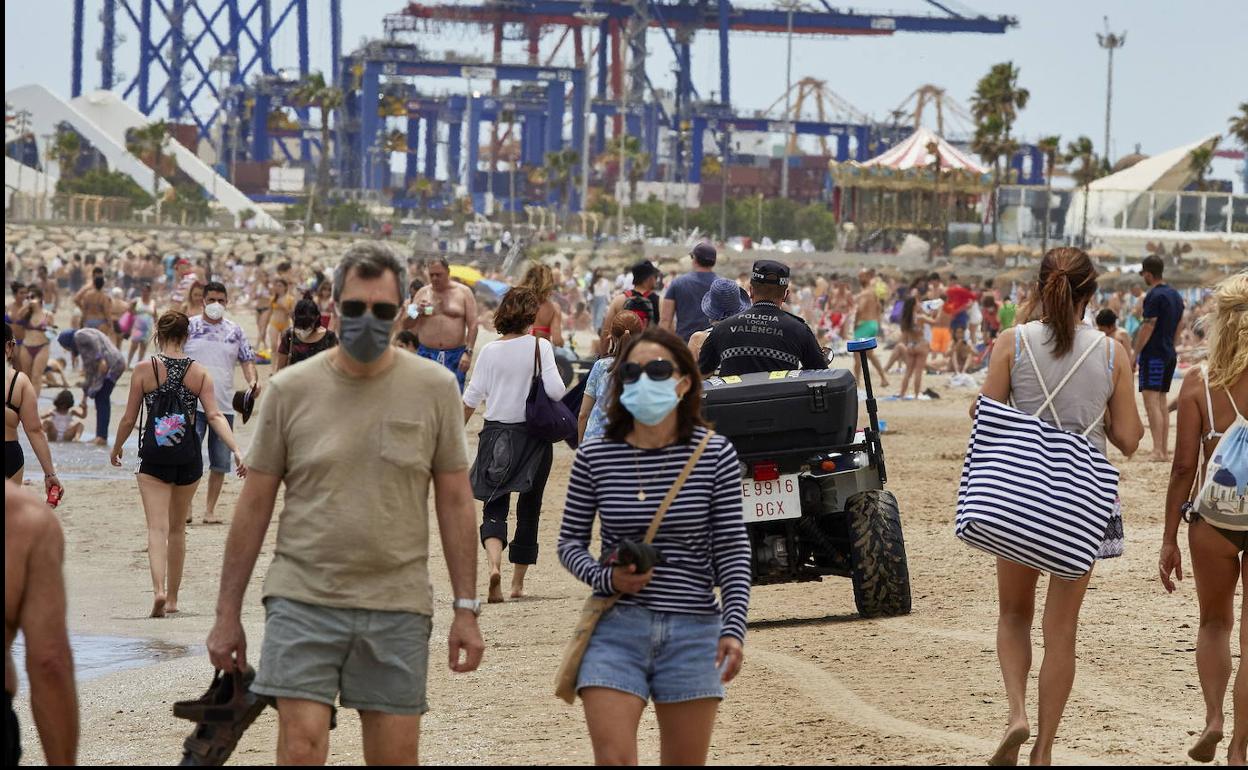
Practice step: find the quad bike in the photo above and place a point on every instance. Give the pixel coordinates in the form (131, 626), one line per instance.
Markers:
(812, 484)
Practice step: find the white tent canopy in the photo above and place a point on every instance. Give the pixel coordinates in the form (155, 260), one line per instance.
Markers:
(1125, 195)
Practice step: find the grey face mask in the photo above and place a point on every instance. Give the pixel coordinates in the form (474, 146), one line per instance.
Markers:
(365, 337)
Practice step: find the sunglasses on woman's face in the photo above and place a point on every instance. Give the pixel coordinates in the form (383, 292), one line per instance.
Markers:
(354, 308)
(657, 370)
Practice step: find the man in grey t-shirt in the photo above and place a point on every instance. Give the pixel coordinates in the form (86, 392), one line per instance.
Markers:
(682, 304)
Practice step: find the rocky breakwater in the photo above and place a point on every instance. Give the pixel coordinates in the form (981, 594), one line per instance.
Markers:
(41, 243)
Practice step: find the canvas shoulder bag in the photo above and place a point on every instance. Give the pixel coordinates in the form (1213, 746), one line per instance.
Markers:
(596, 606)
(1034, 493)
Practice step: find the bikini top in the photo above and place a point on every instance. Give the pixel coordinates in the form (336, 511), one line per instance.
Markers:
(1212, 434)
(43, 327)
(8, 400)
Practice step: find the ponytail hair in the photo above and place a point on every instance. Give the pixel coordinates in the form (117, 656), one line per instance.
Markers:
(625, 324)
(1067, 282)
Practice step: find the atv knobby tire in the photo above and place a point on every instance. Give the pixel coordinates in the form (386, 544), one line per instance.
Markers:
(877, 551)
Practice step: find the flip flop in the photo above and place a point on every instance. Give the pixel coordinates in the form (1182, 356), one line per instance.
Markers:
(222, 715)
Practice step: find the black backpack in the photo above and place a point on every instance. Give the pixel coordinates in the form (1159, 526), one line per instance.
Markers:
(168, 436)
(642, 305)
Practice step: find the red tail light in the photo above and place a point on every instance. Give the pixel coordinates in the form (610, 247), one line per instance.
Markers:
(766, 471)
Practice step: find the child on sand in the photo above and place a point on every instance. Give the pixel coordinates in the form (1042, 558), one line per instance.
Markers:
(64, 421)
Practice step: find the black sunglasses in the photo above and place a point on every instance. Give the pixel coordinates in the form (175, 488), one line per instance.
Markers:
(383, 311)
(657, 370)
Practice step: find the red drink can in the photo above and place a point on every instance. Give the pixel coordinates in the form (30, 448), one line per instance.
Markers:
(54, 496)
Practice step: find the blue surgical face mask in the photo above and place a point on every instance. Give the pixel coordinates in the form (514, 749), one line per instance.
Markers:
(650, 401)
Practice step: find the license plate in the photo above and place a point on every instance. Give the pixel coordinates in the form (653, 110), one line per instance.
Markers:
(771, 500)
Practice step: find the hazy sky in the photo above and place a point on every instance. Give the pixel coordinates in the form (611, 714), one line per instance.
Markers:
(1182, 73)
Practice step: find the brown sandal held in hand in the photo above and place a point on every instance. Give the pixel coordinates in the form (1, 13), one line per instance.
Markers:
(222, 714)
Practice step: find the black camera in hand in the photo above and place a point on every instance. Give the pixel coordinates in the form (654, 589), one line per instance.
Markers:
(643, 556)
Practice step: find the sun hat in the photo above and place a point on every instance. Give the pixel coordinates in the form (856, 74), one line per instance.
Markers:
(66, 340)
(244, 402)
(724, 299)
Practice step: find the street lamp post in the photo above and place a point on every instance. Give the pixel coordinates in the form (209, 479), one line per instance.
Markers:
(47, 160)
(1109, 41)
(590, 19)
(789, 6)
(619, 177)
(223, 66)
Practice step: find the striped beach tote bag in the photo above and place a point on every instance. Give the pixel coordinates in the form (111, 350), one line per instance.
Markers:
(1033, 493)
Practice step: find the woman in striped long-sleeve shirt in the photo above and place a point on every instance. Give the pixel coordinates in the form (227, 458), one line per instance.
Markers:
(667, 639)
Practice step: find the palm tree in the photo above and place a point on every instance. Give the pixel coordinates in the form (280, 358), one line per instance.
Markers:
(560, 168)
(1080, 151)
(995, 106)
(1239, 124)
(991, 145)
(148, 144)
(1050, 146)
(312, 91)
(422, 187)
(1239, 130)
(637, 160)
(67, 148)
(1198, 162)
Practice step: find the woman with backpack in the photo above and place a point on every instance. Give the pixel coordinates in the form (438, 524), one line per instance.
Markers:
(1092, 395)
(1207, 481)
(168, 386)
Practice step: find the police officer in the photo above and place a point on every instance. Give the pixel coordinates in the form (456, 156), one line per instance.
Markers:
(764, 338)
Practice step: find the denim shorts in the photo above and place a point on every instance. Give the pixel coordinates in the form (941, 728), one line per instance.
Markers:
(220, 458)
(371, 660)
(665, 656)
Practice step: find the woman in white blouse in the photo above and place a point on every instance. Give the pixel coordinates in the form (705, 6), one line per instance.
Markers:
(501, 378)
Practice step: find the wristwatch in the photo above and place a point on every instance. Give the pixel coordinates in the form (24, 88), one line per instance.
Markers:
(472, 605)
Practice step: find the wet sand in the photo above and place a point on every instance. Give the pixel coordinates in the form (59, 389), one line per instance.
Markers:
(819, 684)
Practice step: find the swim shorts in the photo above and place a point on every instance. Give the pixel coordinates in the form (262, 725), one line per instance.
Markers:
(449, 358)
(1156, 373)
(942, 339)
(864, 329)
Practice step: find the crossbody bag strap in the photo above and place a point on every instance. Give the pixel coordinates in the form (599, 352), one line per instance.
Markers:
(537, 358)
(675, 490)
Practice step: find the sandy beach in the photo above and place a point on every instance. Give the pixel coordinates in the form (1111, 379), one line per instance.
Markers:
(819, 685)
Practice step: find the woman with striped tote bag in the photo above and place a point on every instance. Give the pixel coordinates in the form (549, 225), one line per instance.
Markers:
(1037, 491)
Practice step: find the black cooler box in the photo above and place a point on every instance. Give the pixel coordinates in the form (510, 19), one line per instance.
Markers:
(783, 413)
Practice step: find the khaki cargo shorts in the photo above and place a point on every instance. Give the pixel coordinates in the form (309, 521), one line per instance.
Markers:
(372, 660)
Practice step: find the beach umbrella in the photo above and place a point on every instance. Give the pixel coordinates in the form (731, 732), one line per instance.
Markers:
(1100, 253)
(466, 275)
(1017, 275)
(495, 288)
(967, 250)
(1229, 260)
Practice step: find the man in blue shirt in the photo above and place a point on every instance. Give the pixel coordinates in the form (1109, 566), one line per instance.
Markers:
(682, 304)
(1155, 342)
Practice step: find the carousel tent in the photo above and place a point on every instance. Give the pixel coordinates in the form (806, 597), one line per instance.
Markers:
(913, 153)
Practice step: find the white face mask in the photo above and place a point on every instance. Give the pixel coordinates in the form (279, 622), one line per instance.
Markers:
(214, 311)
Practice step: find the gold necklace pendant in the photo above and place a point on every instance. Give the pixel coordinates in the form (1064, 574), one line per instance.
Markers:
(641, 495)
